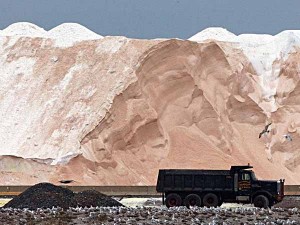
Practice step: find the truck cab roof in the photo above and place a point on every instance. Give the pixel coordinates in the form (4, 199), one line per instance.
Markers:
(237, 168)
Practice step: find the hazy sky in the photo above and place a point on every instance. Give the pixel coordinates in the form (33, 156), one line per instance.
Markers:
(156, 18)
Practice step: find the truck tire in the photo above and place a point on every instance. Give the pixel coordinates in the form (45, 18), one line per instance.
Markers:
(192, 200)
(261, 201)
(210, 200)
(173, 199)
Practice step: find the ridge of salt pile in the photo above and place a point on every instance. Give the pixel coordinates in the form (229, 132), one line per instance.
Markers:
(65, 35)
(24, 29)
(221, 34)
(215, 33)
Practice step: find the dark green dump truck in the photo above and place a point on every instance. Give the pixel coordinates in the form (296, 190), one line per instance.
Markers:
(211, 188)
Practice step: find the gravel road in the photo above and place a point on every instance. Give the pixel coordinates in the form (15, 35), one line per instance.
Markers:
(150, 215)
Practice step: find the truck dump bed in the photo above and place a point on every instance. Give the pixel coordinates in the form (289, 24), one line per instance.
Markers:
(194, 180)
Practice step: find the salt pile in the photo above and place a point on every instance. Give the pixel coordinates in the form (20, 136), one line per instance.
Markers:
(68, 33)
(65, 35)
(270, 46)
(215, 33)
(262, 50)
(24, 29)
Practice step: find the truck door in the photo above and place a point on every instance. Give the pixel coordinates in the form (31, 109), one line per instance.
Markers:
(242, 186)
(244, 183)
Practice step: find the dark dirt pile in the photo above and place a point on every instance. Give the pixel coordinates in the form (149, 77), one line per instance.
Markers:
(46, 195)
(93, 198)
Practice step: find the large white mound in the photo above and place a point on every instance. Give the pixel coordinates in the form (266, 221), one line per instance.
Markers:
(68, 33)
(65, 35)
(24, 29)
(215, 33)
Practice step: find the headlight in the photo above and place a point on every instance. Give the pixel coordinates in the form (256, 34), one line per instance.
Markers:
(278, 187)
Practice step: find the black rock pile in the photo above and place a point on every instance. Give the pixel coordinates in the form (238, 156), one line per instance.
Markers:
(46, 195)
(93, 198)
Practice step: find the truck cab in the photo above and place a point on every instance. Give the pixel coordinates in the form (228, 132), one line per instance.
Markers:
(260, 192)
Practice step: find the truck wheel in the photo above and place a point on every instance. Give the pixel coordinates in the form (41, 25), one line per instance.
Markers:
(210, 200)
(173, 199)
(192, 200)
(261, 201)
(271, 203)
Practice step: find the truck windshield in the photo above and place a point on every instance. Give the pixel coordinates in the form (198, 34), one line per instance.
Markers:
(253, 176)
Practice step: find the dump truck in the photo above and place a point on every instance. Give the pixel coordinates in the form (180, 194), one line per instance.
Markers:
(211, 188)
